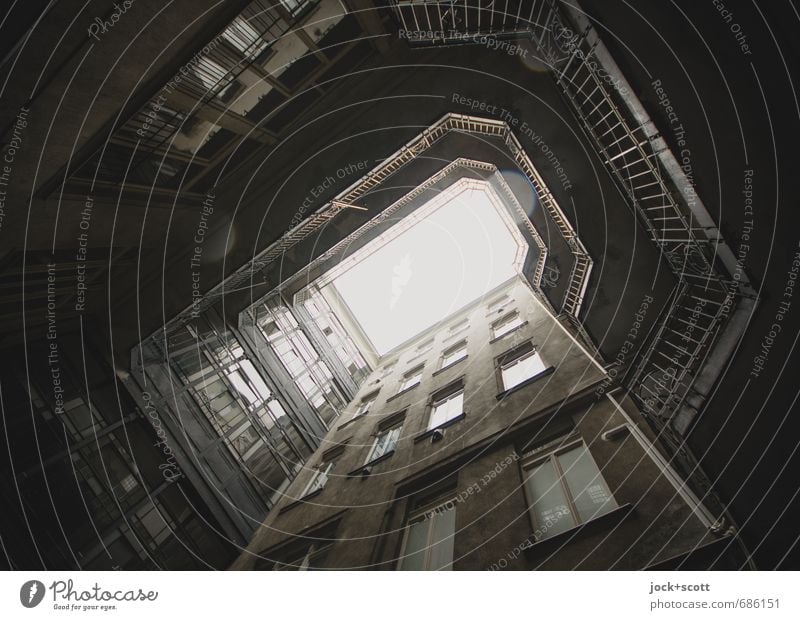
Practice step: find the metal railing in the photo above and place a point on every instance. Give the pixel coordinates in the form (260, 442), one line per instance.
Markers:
(662, 377)
(455, 21)
(203, 80)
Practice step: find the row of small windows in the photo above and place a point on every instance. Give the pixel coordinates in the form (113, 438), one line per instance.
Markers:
(446, 405)
(563, 487)
(509, 322)
(515, 367)
(563, 490)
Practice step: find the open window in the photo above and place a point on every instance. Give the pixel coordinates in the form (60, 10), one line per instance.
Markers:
(520, 365)
(411, 379)
(454, 354)
(506, 324)
(446, 405)
(385, 440)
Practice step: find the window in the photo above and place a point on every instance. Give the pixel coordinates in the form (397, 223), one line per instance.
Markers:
(457, 328)
(520, 365)
(411, 379)
(505, 325)
(446, 408)
(248, 383)
(384, 443)
(498, 303)
(565, 489)
(319, 478)
(385, 371)
(423, 349)
(454, 354)
(365, 405)
(309, 557)
(246, 39)
(294, 6)
(128, 483)
(428, 540)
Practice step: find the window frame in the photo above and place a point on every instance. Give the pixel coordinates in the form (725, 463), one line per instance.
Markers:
(504, 364)
(461, 344)
(321, 471)
(530, 463)
(513, 354)
(369, 400)
(314, 550)
(413, 372)
(457, 328)
(498, 304)
(423, 349)
(503, 320)
(384, 430)
(438, 402)
(428, 513)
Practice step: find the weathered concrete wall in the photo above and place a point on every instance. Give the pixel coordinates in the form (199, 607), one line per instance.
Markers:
(480, 452)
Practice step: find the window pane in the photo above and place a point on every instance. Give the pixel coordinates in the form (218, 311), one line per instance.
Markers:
(550, 508)
(506, 325)
(521, 369)
(451, 357)
(441, 553)
(589, 492)
(447, 410)
(414, 558)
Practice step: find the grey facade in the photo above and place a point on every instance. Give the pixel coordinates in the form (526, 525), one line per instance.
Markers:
(274, 132)
(476, 462)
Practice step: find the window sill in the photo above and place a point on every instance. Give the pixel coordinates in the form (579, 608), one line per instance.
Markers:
(526, 383)
(350, 421)
(508, 333)
(608, 520)
(442, 426)
(399, 394)
(302, 500)
(449, 366)
(364, 469)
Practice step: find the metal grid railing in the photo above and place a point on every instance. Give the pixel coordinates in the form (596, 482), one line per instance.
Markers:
(456, 21)
(347, 199)
(203, 80)
(662, 377)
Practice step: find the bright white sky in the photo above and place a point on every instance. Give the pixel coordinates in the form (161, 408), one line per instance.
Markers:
(439, 265)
